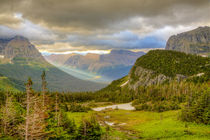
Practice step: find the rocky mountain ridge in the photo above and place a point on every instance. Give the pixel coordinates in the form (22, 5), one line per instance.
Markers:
(196, 41)
(18, 46)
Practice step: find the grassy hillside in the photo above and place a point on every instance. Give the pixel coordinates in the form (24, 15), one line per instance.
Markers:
(171, 63)
(7, 84)
(147, 125)
(20, 69)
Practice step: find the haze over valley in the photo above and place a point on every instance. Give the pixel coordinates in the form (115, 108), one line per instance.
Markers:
(97, 67)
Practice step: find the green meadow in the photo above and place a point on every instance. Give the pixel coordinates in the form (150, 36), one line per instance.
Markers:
(147, 125)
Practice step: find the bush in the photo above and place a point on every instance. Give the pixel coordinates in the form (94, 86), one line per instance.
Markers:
(75, 107)
(89, 130)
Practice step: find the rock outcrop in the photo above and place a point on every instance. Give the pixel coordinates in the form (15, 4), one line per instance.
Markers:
(146, 77)
(196, 41)
(162, 66)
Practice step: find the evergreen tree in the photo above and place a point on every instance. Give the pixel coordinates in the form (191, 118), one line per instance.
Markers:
(44, 86)
(36, 115)
(10, 116)
(89, 130)
(28, 92)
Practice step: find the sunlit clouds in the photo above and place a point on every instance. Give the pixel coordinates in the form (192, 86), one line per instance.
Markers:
(66, 48)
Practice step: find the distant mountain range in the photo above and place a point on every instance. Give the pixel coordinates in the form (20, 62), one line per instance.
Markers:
(114, 65)
(196, 41)
(19, 59)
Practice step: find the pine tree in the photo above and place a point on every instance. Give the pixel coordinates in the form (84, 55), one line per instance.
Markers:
(57, 110)
(28, 92)
(44, 86)
(89, 129)
(9, 116)
(36, 115)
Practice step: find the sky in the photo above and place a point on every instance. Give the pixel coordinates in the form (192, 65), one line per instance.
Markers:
(64, 26)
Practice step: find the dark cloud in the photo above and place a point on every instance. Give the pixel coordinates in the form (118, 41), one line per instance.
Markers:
(9, 20)
(103, 13)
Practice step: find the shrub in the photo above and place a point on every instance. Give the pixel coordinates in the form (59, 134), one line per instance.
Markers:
(75, 107)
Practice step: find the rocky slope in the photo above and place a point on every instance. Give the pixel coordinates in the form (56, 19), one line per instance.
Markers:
(196, 41)
(20, 60)
(58, 59)
(82, 62)
(19, 46)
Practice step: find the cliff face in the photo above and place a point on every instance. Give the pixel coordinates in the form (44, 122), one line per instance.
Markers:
(18, 46)
(160, 66)
(146, 77)
(196, 41)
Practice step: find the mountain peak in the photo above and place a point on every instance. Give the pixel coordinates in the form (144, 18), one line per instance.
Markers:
(196, 41)
(19, 46)
(20, 38)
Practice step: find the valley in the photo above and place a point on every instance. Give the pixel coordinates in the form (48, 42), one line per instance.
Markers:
(82, 74)
(104, 69)
(111, 66)
(164, 106)
(163, 94)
